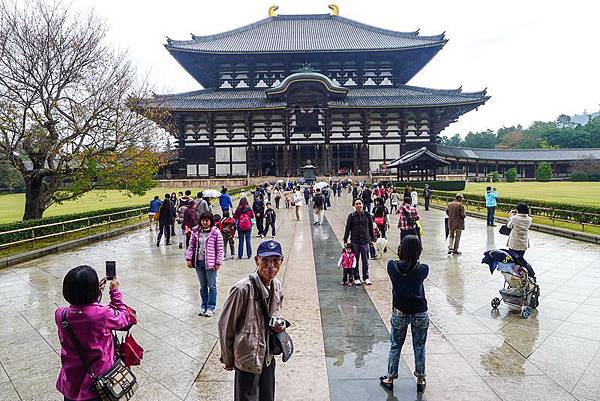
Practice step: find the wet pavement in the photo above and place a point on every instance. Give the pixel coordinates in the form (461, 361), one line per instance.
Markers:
(340, 333)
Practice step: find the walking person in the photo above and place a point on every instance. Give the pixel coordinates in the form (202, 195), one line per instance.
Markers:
(190, 220)
(306, 195)
(227, 227)
(225, 201)
(456, 223)
(205, 254)
(319, 207)
(270, 217)
(258, 207)
(367, 198)
(354, 193)
(174, 209)
(414, 197)
(407, 219)
(91, 324)
(165, 216)
(347, 262)
(394, 201)
(287, 196)
(519, 223)
(155, 205)
(248, 351)
(427, 196)
(409, 309)
(381, 216)
(243, 216)
(297, 202)
(277, 196)
(201, 204)
(359, 227)
(491, 197)
(184, 202)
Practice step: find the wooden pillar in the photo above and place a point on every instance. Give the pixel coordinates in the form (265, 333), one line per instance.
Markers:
(477, 170)
(211, 147)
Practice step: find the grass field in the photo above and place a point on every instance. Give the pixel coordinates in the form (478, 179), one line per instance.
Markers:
(12, 205)
(581, 193)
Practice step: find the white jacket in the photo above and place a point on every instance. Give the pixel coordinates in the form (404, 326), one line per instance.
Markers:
(519, 238)
(298, 198)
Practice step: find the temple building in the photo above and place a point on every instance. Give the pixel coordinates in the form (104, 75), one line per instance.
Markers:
(290, 88)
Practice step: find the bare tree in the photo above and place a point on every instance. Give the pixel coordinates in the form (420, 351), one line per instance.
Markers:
(66, 106)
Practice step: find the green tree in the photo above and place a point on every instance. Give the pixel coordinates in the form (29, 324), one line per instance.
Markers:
(484, 139)
(454, 140)
(511, 174)
(543, 172)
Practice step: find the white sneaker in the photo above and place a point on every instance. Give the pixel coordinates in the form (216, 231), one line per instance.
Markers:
(368, 282)
(202, 312)
(357, 282)
(209, 313)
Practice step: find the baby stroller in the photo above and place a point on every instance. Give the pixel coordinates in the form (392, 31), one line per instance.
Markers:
(520, 291)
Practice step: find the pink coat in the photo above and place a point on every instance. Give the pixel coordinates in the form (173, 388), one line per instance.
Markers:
(92, 325)
(213, 249)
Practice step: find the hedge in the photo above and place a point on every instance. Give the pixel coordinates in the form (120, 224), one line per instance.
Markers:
(434, 185)
(558, 210)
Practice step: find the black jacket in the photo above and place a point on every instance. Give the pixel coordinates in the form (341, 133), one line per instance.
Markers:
(166, 212)
(360, 228)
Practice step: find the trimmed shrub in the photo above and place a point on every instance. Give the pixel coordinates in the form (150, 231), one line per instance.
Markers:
(544, 172)
(434, 185)
(580, 176)
(494, 176)
(511, 175)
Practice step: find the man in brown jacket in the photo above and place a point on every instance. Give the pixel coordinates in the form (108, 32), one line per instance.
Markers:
(456, 223)
(244, 330)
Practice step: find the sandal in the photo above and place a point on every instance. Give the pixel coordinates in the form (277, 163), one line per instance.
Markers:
(387, 386)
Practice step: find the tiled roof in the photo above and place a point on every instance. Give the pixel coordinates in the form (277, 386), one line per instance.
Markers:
(306, 33)
(402, 96)
(419, 155)
(517, 154)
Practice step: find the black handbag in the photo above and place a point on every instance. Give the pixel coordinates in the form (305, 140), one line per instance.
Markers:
(117, 383)
(504, 230)
(280, 343)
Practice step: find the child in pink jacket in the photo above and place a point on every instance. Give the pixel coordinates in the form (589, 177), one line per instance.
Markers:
(205, 254)
(92, 324)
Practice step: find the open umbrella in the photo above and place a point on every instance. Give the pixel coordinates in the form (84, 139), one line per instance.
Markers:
(321, 185)
(278, 181)
(211, 193)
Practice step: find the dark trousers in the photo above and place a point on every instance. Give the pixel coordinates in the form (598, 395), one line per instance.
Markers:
(361, 252)
(173, 228)
(166, 229)
(427, 200)
(277, 199)
(228, 241)
(348, 274)
(251, 387)
(491, 210)
(267, 226)
(260, 225)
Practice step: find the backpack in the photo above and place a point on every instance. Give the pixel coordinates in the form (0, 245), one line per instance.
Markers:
(409, 219)
(244, 222)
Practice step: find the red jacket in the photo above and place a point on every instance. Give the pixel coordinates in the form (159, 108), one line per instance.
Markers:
(227, 221)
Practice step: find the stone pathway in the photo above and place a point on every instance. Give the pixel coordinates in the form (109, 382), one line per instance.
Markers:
(473, 353)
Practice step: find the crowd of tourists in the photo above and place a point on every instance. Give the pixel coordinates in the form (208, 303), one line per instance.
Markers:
(251, 330)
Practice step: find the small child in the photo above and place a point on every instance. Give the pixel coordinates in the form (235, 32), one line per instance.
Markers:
(227, 228)
(270, 217)
(347, 262)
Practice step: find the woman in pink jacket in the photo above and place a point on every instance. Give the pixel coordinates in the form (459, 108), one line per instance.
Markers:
(92, 324)
(205, 254)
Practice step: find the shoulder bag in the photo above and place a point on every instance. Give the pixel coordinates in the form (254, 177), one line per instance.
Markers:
(280, 343)
(504, 230)
(117, 383)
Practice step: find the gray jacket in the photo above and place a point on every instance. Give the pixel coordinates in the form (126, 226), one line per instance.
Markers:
(243, 331)
(519, 225)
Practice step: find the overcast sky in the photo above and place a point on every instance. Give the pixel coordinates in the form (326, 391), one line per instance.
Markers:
(537, 58)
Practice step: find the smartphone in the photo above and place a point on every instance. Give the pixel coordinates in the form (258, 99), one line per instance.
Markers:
(111, 269)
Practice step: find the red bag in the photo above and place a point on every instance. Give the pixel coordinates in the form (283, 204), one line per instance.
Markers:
(380, 221)
(132, 352)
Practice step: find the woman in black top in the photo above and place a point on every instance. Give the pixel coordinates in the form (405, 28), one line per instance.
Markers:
(410, 308)
(380, 216)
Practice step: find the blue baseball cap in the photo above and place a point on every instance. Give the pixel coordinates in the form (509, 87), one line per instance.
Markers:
(269, 248)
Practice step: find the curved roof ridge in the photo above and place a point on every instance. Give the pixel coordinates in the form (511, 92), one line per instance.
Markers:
(188, 93)
(202, 38)
(457, 91)
(414, 34)
(519, 150)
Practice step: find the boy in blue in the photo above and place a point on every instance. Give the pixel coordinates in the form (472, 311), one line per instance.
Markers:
(225, 200)
(491, 195)
(154, 207)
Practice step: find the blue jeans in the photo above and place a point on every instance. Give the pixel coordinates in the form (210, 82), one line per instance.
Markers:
(247, 235)
(361, 252)
(491, 210)
(419, 323)
(208, 286)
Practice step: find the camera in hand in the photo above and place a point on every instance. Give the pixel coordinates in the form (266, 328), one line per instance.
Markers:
(276, 322)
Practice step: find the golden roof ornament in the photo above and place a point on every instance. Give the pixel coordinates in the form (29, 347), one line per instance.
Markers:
(335, 9)
(273, 11)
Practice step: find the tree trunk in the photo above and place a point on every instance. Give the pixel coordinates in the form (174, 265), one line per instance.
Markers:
(35, 197)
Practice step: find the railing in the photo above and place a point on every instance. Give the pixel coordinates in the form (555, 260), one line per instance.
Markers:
(574, 217)
(32, 234)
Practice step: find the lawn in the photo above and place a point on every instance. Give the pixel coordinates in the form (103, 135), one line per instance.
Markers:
(12, 205)
(582, 193)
